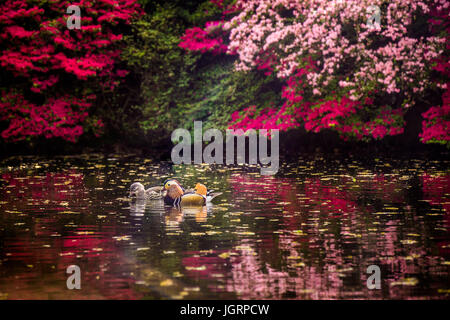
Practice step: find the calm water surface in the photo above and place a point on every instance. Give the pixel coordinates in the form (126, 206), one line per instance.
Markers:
(310, 232)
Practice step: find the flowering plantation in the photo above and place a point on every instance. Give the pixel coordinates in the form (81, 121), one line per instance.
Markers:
(197, 39)
(339, 71)
(138, 69)
(50, 74)
(436, 122)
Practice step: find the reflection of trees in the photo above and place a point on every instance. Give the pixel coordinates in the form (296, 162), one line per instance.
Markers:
(327, 237)
(309, 237)
(48, 188)
(49, 224)
(436, 191)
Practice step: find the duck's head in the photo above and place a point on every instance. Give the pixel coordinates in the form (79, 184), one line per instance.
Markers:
(201, 189)
(137, 190)
(174, 189)
(170, 182)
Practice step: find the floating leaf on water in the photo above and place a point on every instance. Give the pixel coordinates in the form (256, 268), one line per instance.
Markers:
(405, 282)
(443, 290)
(122, 238)
(66, 254)
(245, 233)
(69, 212)
(299, 264)
(192, 289)
(197, 233)
(381, 213)
(211, 233)
(201, 268)
(408, 241)
(412, 257)
(224, 255)
(354, 235)
(244, 248)
(166, 283)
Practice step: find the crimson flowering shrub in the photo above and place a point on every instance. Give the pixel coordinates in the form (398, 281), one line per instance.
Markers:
(339, 73)
(435, 127)
(202, 40)
(211, 37)
(52, 72)
(436, 124)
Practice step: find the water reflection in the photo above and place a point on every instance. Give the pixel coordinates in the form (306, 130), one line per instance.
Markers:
(308, 233)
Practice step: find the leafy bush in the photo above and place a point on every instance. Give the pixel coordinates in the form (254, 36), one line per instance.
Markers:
(178, 87)
(50, 75)
(338, 72)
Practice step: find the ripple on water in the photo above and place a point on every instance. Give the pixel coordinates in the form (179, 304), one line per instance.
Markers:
(310, 232)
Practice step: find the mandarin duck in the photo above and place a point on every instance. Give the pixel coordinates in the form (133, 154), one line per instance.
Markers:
(138, 191)
(176, 196)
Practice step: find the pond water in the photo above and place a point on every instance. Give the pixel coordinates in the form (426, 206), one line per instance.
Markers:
(310, 232)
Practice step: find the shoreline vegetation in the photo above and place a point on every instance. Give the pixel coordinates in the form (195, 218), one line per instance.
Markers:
(292, 145)
(138, 70)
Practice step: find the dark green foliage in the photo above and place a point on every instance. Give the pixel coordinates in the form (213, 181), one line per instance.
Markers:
(169, 88)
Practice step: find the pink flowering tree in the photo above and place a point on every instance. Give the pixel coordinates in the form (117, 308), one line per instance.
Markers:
(341, 71)
(436, 123)
(50, 75)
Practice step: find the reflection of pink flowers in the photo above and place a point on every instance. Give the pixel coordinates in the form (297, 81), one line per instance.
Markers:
(48, 200)
(204, 265)
(257, 273)
(62, 186)
(328, 199)
(267, 187)
(436, 189)
(98, 282)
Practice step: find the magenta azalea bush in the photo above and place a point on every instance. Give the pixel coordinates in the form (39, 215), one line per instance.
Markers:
(55, 71)
(340, 73)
